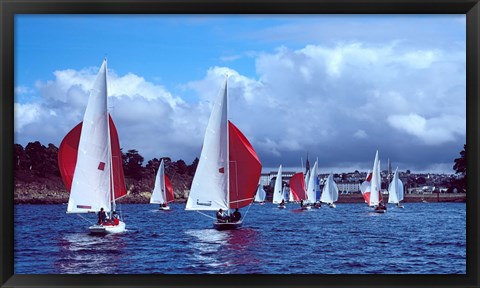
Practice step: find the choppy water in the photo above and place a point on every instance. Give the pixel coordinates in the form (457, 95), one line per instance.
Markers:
(423, 238)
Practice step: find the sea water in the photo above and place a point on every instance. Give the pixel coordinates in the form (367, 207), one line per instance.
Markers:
(422, 238)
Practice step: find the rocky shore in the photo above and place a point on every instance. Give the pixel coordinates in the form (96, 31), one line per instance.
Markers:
(30, 189)
(25, 195)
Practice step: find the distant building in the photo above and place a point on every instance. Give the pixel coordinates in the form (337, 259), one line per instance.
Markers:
(348, 187)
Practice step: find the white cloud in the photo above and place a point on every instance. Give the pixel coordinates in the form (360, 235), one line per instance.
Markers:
(25, 114)
(308, 99)
(360, 134)
(433, 131)
(23, 90)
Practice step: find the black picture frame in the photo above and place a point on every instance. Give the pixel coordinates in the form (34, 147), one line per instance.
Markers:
(9, 8)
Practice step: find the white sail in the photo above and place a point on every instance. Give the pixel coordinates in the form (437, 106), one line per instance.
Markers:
(210, 182)
(329, 191)
(261, 194)
(311, 187)
(307, 177)
(395, 189)
(91, 181)
(290, 196)
(374, 183)
(159, 194)
(278, 188)
(285, 193)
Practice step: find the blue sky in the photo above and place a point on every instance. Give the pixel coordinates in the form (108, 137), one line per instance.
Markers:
(337, 86)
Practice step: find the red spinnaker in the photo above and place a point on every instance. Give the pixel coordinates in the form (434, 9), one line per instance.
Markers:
(67, 158)
(245, 168)
(169, 188)
(297, 187)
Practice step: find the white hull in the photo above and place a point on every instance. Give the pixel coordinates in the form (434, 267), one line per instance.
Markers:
(107, 229)
(306, 207)
(164, 208)
(281, 207)
(331, 205)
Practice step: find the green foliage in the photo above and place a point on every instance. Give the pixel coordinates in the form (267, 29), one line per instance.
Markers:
(41, 162)
(133, 164)
(460, 167)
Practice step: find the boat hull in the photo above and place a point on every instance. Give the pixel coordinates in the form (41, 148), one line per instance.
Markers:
(164, 208)
(107, 229)
(227, 225)
(379, 210)
(306, 207)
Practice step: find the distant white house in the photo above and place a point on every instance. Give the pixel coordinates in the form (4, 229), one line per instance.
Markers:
(348, 187)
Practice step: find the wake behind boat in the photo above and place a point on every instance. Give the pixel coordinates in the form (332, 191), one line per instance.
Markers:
(90, 162)
(228, 170)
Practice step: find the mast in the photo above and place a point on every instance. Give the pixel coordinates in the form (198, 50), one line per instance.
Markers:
(228, 148)
(109, 149)
(164, 188)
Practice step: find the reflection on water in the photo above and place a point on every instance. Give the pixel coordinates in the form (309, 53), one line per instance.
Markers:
(85, 253)
(227, 249)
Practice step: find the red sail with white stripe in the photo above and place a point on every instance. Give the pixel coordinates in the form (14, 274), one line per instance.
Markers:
(90, 159)
(218, 183)
(297, 187)
(245, 168)
(67, 158)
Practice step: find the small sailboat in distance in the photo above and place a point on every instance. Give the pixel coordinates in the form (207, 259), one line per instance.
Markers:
(260, 195)
(90, 162)
(311, 187)
(329, 192)
(163, 191)
(372, 194)
(297, 188)
(229, 170)
(278, 195)
(395, 190)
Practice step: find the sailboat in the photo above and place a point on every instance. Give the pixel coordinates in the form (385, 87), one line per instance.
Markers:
(260, 195)
(163, 191)
(90, 161)
(278, 195)
(229, 170)
(329, 192)
(311, 187)
(395, 190)
(297, 187)
(371, 188)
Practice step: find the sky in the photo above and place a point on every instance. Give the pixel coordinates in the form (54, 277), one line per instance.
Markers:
(335, 87)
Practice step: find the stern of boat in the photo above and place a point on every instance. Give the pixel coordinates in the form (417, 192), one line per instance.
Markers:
(227, 225)
(107, 229)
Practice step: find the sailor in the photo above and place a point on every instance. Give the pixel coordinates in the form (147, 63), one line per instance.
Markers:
(102, 216)
(220, 216)
(236, 215)
(115, 218)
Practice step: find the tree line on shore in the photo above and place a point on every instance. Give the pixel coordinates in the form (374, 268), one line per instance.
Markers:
(37, 163)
